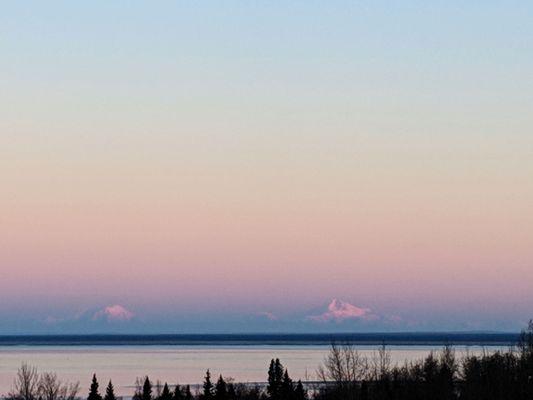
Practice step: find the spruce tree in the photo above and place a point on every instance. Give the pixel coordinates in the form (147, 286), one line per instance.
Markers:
(278, 377)
(221, 391)
(93, 391)
(165, 394)
(208, 386)
(138, 394)
(287, 389)
(275, 379)
(188, 394)
(270, 387)
(299, 392)
(110, 392)
(147, 389)
(178, 395)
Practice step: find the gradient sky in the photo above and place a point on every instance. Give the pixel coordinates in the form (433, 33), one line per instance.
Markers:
(237, 166)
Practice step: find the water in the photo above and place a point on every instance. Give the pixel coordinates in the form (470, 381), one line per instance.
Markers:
(185, 364)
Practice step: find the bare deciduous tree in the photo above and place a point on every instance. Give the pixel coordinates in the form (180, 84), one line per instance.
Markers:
(51, 388)
(72, 391)
(25, 384)
(28, 385)
(381, 363)
(345, 367)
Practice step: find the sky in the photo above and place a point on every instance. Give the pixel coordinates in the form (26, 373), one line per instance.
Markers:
(275, 166)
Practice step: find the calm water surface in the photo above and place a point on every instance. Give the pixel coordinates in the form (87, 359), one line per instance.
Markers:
(183, 364)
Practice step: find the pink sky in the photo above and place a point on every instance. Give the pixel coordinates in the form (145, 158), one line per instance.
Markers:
(388, 229)
(194, 165)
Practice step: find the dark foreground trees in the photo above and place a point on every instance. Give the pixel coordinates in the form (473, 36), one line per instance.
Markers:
(94, 394)
(221, 389)
(208, 386)
(280, 385)
(508, 375)
(110, 392)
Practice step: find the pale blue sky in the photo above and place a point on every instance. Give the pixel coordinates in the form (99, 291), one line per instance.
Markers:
(351, 150)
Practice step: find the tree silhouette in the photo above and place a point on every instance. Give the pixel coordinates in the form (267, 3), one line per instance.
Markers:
(178, 395)
(93, 391)
(275, 379)
(221, 390)
(299, 392)
(110, 392)
(165, 394)
(208, 386)
(147, 389)
(26, 383)
(287, 389)
(187, 395)
(271, 388)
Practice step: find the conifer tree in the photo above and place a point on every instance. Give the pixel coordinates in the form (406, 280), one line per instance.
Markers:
(93, 391)
(278, 372)
(187, 395)
(138, 394)
(178, 395)
(165, 394)
(221, 390)
(287, 389)
(275, 379)
(208, 386)
(147, 389)
(110, 392)
(299, 392)
(271, 388)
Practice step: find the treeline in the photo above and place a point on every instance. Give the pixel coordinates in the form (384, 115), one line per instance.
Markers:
(344, 375)
(29, 385)
(490, 376)
(280, 387)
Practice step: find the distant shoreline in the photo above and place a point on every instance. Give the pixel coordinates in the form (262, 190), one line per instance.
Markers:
(301, 339)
